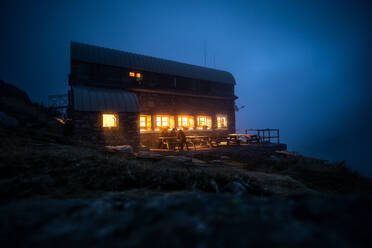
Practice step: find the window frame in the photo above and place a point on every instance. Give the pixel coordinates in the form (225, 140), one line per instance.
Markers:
(190, 120)
(208, 120)
(170, 120)
(116, 120)
(224, 116)
(148, 123)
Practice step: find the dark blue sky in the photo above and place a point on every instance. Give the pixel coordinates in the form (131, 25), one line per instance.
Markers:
(302, 66)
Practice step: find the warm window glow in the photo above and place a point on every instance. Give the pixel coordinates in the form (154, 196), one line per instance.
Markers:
(109, 120)
(138, 75)
(145, 122)
(204, 122)
(164, 121)
(185, 122)
(221, 121)
(131, 74)
(142, 121)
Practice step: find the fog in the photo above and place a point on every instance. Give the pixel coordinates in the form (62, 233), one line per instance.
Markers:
(301, 66)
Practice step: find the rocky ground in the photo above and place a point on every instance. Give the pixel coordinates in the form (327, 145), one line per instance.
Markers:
(185, 219)
(55, 191)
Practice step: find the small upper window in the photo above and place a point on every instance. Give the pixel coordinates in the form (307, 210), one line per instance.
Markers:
(137, 75)
(109, 120)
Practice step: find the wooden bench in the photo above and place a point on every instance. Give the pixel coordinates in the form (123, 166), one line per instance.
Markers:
(198, 140)
(250, 138)
(215, 141)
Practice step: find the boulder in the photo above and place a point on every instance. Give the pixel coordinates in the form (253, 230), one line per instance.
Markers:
(237, 188)
(122, 148)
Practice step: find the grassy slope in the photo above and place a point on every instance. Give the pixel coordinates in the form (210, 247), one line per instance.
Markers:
(41, 162)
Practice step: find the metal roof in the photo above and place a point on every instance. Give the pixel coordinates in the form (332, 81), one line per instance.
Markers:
(100, 55)
(104, 99)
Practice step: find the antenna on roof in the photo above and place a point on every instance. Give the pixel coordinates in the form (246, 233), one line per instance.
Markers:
(214, 61)
(205, 53)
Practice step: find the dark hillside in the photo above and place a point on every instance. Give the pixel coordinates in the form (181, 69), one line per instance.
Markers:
(57, 190)
(15, 103)
(10, 91)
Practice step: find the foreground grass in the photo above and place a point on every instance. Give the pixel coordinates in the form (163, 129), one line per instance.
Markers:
(70, 170)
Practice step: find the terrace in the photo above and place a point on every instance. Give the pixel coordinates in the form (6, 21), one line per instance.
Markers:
(244, 137)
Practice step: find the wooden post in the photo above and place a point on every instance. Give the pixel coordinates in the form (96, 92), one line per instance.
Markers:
(153, 121)
(278, 135)
(269, 130)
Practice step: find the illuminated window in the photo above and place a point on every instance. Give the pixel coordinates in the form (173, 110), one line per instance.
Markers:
(204, 122)
(186, 122)
(131, 74)
(138, 75)
(109, 120)
(221, 121)
(164, 121)
(145, 122)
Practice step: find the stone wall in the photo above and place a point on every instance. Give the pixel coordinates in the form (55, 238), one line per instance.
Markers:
(88, 126)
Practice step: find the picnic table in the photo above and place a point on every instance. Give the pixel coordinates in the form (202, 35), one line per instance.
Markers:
(201, 140)
(169, 141)
(236, 138)
(217, 140)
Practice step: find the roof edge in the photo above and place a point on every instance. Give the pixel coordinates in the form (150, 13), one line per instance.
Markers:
(74, 43)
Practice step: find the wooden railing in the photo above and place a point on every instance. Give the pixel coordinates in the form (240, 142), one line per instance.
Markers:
(264, 135)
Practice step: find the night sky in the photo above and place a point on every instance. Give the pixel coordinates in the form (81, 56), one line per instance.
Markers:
(301, 66)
